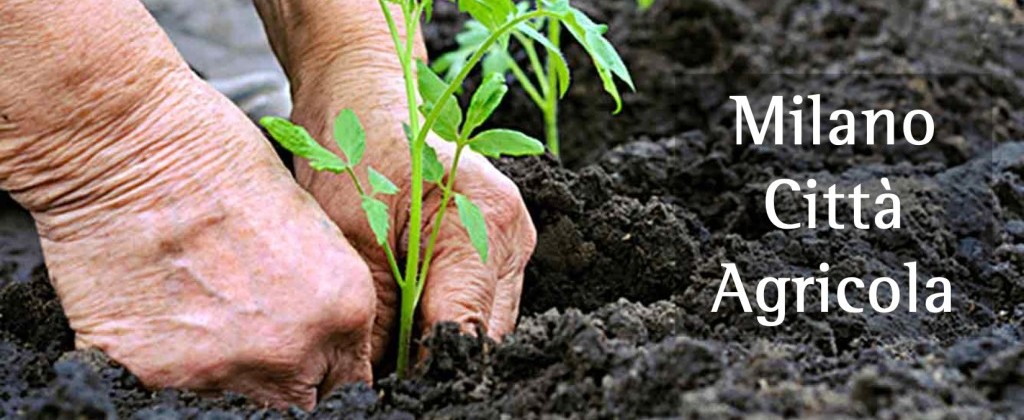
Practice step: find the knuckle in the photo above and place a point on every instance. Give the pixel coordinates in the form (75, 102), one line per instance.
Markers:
(508, 189)
(507, 211)
(460, 302)
(277, 355)
(273, 377)
(528, 236)
(463, 311)
(352, 307)
(505, 203)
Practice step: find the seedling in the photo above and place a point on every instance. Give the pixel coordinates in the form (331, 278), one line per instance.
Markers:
(550, 75)
(441, 114)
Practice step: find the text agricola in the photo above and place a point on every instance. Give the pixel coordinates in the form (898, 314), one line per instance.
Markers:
(939, 299)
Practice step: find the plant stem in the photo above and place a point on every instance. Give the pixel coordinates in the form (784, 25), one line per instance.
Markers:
(531, 53)
(387, 246)
(405, 329)
(527, 84)
(551, 126)
(551, 110)
(449, 187)
(416, 178)
(435, 113)
(410, 294)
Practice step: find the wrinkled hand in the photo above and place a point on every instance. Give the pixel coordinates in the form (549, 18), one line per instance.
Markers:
(175, 239)
(341, 56)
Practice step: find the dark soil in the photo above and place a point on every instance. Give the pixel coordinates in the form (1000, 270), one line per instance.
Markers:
(635, 224)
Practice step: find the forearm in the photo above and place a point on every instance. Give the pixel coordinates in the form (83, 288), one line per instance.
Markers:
(88, 93)
(307, 35)
(340, 55)
(68, 77)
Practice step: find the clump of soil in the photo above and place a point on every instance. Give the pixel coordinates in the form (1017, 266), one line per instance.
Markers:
(636, 221)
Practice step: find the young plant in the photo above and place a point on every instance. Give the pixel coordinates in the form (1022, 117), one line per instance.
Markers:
(550, 75)
(440, 113)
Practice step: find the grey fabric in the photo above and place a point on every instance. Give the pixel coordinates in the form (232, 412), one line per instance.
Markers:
(224, 41)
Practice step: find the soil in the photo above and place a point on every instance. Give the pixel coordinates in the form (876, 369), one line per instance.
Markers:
(637, 219)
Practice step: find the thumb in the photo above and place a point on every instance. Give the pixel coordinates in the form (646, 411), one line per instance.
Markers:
(461, 287)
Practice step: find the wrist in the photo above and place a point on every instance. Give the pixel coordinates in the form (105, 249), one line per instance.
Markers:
(89, 112)
(340, 55)
(313, 37)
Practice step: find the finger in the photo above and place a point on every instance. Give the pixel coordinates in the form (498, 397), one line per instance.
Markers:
(345, 330)
(387, 309)
(505, 310)
(340, 325)
(341, 202)
(350, 363)
(515, 244)
(461, 287)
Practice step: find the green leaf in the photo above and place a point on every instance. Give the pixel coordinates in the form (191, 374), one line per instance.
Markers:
(584, 22)
(379, 218)
(497, 61)
(469, 41)
(381, 184)
(472, 37)
(491, 13)
(445, 127)
(428, 10)
(522, 8)
(351, 137)
(557, 6)
(555, 56)
(408, 133)
(495, 143)
(473, 220)
(431, 89)
(645, 4)
(606, 59)
(561, 72)
(297, 140)
(433, 169)
(611, 59)
(485, 100)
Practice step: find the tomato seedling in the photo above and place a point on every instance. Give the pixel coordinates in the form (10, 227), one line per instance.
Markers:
(440, 113)
(550, 75)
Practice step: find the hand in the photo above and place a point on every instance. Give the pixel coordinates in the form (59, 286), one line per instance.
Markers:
(177, 242)
(342, 57)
